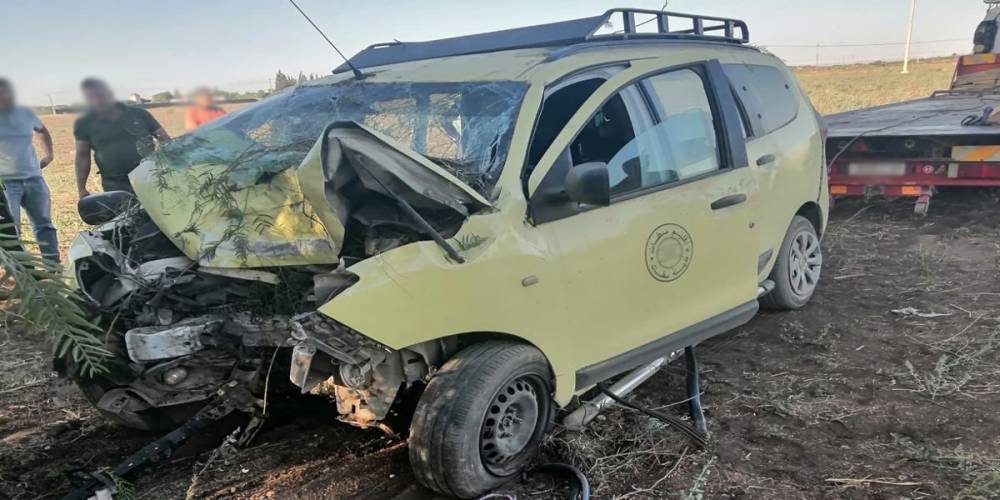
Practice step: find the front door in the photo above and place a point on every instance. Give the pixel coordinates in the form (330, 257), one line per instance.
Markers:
(676, 247)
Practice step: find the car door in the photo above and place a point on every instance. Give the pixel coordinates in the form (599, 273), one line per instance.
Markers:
(672, 258)
(782, 135)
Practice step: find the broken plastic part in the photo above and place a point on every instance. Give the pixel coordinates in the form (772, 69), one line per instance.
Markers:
(151, 343)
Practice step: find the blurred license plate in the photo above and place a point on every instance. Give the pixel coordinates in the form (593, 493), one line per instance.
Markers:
(877, 169)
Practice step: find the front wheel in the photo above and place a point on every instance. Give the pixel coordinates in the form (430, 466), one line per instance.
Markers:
(797, 270)
(481, 418)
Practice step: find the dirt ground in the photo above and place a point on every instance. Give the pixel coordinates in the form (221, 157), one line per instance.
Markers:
(886, 386)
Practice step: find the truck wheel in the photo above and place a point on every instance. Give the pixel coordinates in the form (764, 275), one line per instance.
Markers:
(797, 270)
(481, 418)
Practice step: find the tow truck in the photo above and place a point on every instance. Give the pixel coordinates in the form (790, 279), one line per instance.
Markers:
(911, 149)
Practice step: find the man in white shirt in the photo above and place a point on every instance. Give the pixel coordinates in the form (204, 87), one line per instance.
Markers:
(21, 170)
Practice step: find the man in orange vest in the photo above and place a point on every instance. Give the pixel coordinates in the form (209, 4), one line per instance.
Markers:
(203, 109)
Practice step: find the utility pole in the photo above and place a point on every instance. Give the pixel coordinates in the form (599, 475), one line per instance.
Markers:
(52, 104)
(909, 37)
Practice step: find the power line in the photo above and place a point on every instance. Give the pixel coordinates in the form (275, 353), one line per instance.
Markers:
(879, 44)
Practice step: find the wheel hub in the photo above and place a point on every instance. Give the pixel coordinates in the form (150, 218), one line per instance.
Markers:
(510, 423)
(805, 263)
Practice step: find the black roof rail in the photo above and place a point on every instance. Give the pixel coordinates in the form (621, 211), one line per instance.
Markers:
(695, 27)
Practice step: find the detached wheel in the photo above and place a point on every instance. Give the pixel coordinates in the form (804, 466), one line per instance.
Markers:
(797, 270)
(481, 418)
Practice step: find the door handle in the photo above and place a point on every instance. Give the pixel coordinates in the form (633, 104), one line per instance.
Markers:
(728, 201)
(766, 160)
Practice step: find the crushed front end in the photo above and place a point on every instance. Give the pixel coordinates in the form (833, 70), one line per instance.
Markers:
(244, 228)
(179, 330)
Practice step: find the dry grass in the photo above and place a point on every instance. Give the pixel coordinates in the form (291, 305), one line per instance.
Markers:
(835, 89)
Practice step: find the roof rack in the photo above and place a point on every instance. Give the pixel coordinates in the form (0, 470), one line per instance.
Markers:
(558, 34)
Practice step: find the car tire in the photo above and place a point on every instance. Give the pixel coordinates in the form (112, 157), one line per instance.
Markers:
(797, 269)
(481, 418)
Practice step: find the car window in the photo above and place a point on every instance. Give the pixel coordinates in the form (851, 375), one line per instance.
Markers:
(608, 132)
(681, 146)
(765, 92)
(556, 112)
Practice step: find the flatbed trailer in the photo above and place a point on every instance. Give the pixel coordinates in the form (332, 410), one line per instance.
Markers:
(910, 149)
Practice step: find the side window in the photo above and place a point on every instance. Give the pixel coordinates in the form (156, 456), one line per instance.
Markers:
(765, 93)
(681, 146)
(608, 134)
(556, 112)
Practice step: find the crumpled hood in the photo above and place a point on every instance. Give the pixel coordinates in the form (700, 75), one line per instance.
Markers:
(350, 157)
(261, 214)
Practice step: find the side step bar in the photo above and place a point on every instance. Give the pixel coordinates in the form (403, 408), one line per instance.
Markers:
(580, 417)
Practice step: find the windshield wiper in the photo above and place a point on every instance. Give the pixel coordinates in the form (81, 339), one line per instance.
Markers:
(420, 220)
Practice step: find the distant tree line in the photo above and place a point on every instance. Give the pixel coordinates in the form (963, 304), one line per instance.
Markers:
(283, 81)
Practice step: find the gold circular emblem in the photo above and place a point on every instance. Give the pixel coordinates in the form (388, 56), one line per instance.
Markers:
(668, 252)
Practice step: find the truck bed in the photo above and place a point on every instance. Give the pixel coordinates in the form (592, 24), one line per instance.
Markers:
(940, 115)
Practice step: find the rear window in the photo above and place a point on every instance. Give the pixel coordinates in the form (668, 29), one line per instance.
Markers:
(766, 94)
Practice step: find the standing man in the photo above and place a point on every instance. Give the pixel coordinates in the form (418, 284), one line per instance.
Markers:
(119, 135)
(21, 170)
(203, 108)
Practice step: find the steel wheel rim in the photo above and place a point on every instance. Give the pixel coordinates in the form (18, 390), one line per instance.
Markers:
(511, 425)
(805, 263)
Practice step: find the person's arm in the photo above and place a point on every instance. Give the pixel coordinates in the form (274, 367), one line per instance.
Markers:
(189, 120)
(49, 154)
(155, 128)
(161, 136)
(39, 128)
(82, 167)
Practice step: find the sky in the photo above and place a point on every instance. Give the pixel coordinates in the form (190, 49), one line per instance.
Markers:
(48, 46)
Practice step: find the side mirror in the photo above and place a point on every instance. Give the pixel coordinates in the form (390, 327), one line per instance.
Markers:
(588, 183)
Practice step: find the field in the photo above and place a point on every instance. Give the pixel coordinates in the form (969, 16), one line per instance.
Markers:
(886, 386)
(842, 88)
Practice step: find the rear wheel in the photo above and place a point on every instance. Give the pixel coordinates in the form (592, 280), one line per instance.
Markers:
(797, 270)
(481, 418)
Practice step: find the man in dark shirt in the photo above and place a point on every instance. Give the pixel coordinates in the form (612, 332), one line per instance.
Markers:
(119, 135)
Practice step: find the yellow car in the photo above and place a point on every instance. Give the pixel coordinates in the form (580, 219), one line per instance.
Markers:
(483, 228)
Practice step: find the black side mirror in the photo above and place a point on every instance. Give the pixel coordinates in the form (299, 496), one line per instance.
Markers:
(588, 183)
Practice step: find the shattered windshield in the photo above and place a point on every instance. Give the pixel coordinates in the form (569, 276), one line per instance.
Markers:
(464, 127)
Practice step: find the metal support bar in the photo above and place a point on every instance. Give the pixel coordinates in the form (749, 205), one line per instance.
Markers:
(694, 391)
(234, 396)
(662, 23)
(583, 415)
(629, 21)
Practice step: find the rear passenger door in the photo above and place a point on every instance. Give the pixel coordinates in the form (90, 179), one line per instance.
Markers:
(675, 249)
(778, 150)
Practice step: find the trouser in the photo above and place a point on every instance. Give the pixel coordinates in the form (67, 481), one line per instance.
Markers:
(116, 184)
(33, 195)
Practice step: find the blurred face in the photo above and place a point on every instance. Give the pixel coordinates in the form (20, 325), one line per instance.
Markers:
(6, 97)
(99, 98)
(204, 100)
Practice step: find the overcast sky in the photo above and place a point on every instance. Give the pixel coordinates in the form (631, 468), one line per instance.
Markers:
(47, 46)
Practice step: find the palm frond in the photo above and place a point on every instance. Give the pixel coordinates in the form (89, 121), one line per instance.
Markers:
(50, 306)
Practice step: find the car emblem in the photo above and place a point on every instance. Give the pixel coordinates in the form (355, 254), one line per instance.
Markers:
(669, 251)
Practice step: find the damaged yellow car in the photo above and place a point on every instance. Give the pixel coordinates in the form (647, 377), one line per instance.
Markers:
(482, 228)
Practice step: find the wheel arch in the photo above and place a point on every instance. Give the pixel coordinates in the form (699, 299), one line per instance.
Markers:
(562, 387)
(814, 214)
